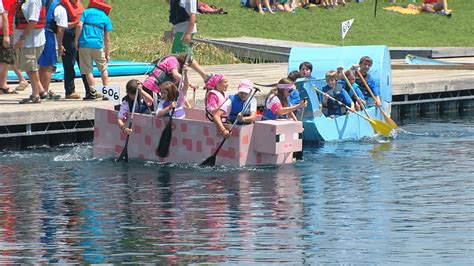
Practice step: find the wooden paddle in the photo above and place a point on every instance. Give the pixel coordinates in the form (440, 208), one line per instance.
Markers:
(379, 126)
(165, 139)
(124, 154)
(211, 161)
(387, 118)
(298, 155)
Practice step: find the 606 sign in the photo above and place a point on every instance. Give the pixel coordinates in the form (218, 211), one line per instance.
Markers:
(112, 92)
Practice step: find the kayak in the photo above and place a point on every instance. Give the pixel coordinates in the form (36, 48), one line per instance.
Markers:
(115, 68)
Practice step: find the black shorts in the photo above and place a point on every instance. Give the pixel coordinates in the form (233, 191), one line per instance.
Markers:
(8, 54)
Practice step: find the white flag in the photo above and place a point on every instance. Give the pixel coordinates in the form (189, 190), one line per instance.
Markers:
(345, 26)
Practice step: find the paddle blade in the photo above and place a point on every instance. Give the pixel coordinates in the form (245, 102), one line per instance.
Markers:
(390, 122)
(124, 154)
(165, 141)
(298, 155)
(381, 127)
(211, 161)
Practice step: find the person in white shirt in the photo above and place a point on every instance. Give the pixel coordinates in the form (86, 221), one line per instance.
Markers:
(29, 42)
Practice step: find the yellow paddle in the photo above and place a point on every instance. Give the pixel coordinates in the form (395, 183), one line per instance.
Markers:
(379, 126)
(387, 118)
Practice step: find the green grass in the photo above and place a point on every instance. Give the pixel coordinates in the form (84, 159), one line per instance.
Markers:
(139, 26)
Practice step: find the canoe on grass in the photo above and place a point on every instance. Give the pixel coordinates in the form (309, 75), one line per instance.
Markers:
(115, 68)
(317, 127)
(195, 138)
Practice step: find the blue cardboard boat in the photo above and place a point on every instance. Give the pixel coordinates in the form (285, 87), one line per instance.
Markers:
(318, 127)
(115, 68)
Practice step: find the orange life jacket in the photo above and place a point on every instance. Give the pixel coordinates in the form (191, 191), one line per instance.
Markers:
(10, 7)
(100, 5)
(74, 11)
(21, 22)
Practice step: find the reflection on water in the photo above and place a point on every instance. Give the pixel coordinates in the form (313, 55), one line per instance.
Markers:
(407, 200)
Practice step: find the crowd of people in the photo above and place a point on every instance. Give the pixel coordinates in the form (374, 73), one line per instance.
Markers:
(271, 6)
(36, 32)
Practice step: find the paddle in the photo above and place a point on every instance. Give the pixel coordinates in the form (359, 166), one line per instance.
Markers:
(124, 154)
(387, 118)
(379, 126)
(165, 139)
(298, 155)
(355, 94)
(211, 161)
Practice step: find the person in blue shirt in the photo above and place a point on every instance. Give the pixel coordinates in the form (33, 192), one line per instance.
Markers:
(92, 40)
(354, 96)
(365, 63)
(294, 97)
(331, 108)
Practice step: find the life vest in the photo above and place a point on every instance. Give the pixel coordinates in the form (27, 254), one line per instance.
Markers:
(21, 22)
(50, 22)
(332, 107)
(163, 75)
(221, 98)
(100, 5)
(367, 97)
(10, 6)
(268, 114)
(178, 13)
(74, 11)
(237, 106)
(140, 108)
(178, 111)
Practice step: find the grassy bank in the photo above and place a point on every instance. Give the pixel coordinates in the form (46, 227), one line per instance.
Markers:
(139, 27)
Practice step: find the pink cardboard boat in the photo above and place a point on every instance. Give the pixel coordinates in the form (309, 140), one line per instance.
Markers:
(195, 138)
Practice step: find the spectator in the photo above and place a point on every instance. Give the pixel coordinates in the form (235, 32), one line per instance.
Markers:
(7, 53)
(183, 15)
(93, 42)
(29, 41)
(282, 5)
(70, 56)
(56, 22)
(435, 6)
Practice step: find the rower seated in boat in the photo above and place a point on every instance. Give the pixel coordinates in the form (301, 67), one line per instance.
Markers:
(365, 63)
(144, 101)
(234, 106)
(276, 103)
(331, 108)
(216, 87)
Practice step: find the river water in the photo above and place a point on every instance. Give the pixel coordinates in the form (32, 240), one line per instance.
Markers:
(409, 200)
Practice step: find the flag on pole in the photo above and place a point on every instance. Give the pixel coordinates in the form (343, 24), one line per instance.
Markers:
(345, 26)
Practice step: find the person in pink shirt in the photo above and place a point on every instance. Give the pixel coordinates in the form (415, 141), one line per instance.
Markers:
(216, 94)
(276, 102)
(169, 68)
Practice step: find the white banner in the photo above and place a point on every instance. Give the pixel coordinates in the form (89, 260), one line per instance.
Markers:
(112, 92)
(345, 26)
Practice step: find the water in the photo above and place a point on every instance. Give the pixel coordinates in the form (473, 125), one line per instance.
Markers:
(409, 200)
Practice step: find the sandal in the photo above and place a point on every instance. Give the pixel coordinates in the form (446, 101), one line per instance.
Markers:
(7, 91)
(22, 86)
(53, 96)
(43, 95)
(31, 99)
